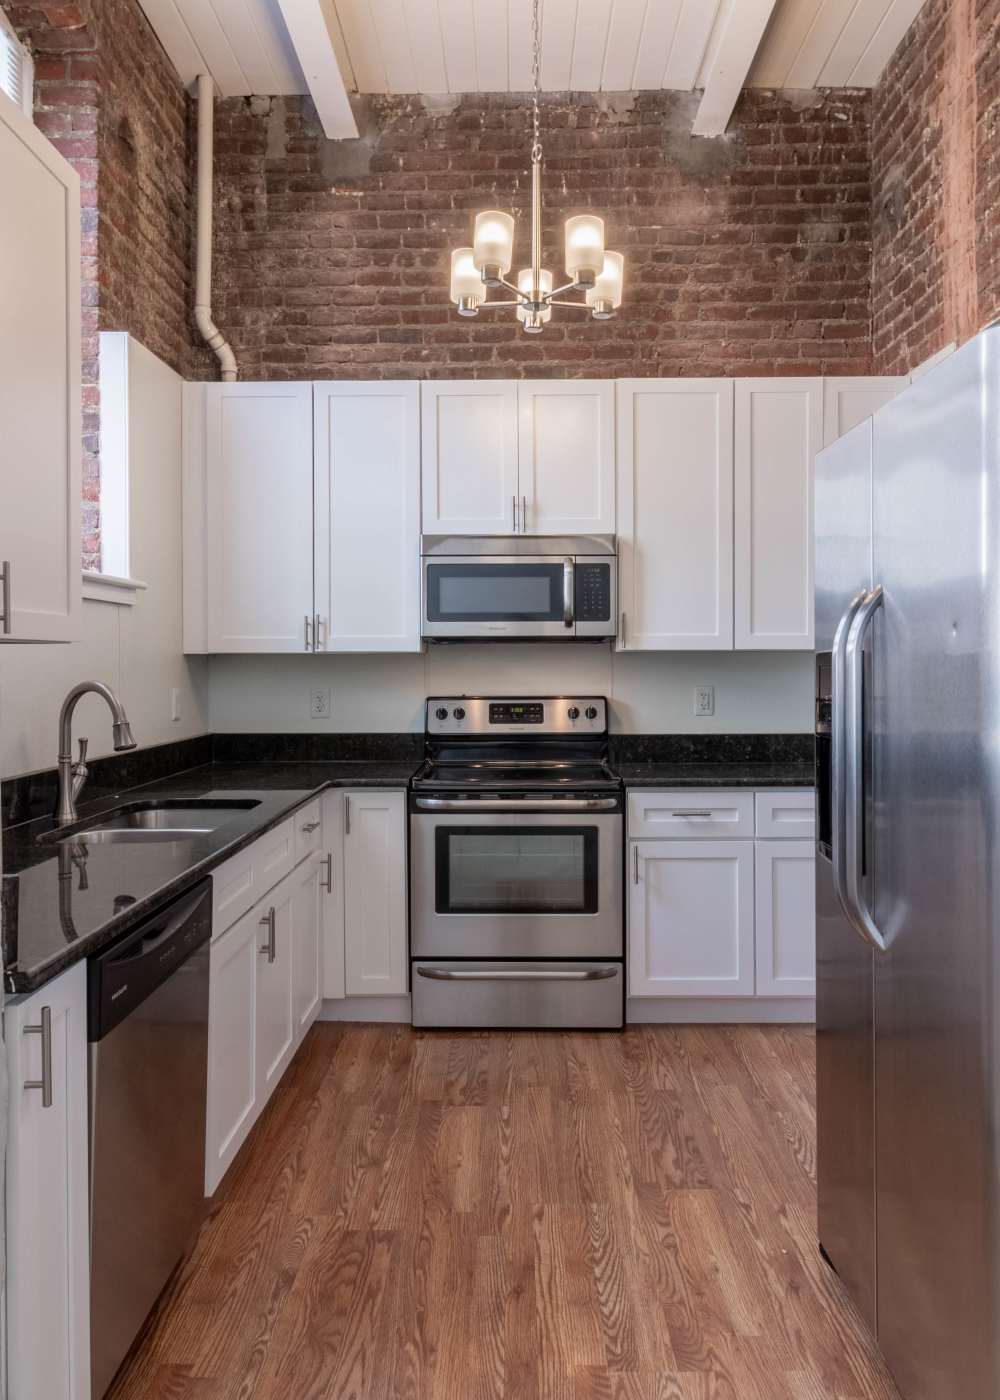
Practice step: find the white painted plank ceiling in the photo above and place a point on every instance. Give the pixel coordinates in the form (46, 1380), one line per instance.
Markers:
(437, 46)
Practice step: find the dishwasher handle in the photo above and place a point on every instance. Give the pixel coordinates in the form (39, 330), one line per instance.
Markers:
(121, 977)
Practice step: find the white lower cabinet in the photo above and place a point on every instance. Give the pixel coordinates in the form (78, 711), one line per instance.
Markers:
(715, 917)
(47, 1203)
(786, 918)
(265, 977)
(375, 944)
(691, 918)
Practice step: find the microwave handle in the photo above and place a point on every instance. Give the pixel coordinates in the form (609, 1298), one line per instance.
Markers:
(569, 591)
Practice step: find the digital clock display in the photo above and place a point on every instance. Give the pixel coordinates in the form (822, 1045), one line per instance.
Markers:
(516, 712)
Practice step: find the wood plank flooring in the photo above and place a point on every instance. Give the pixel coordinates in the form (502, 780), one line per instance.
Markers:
(552, 1216)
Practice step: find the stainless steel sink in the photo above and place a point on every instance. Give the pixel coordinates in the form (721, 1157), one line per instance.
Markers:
(154, 821)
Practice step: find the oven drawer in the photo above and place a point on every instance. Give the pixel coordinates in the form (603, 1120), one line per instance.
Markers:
(556, 995)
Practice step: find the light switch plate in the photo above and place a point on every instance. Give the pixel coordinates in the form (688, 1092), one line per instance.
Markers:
(704, 700)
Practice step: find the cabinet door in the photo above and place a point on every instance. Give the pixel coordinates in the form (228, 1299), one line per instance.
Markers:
(367, 483)
(258, 535)
(276, 1038)
(849, 399)
(566, 457)
(375, 947)
(232, 1021)
(333, 895)
(779, 429)
(691, 919)
(307, 948)
(786, 918)
(675, 514)
(469, 457)
(40, 379)
(48, 1251)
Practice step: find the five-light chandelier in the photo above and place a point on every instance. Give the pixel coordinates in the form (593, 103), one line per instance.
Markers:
(591, 270)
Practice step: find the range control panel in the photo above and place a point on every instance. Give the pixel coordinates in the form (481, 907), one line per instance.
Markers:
(483, 715)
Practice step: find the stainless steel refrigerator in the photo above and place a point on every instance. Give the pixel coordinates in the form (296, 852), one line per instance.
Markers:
(908, 873)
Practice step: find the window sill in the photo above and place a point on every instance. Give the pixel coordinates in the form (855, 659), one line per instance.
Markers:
(107, 588)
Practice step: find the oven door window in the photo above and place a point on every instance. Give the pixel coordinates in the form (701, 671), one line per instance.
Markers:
(516, 870)
(495, 592)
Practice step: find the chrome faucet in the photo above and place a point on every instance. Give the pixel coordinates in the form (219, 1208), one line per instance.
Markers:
(72, 776)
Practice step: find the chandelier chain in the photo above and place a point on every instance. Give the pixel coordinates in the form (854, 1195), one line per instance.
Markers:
(536, 80)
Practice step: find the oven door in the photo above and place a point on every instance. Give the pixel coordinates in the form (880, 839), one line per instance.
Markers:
(499, 596)
(516, 885)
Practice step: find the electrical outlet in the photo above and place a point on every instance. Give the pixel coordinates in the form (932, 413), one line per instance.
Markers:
(704, 700)
(320, 703)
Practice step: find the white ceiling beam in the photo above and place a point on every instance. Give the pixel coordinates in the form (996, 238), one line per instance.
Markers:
(311, 26)
(731, 63)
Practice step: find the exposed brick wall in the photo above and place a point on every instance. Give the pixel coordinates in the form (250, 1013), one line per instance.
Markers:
(936, 184)
(109, 100)
(746, 255)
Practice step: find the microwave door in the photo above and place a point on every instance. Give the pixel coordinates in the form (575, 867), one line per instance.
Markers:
(499, 597)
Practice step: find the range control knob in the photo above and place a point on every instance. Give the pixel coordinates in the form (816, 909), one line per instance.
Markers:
(573, 712)
(591, 712)
(441, 712)
(458, 712)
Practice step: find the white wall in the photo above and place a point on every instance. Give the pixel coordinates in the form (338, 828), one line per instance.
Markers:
(136, 650)
(755, 692)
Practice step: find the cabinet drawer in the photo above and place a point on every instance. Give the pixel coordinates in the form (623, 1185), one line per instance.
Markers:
(697, 814)
(241, 881)
(791, 814)
(308, 830)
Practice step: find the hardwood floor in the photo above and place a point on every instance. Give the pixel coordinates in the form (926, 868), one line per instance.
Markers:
(546, 1216)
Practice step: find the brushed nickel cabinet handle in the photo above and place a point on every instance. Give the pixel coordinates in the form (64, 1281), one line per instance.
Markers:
(271, 946)
(513, 512)
(635, 864)
(320, 627)
(524, 514)
(44, 1029)
(308, 633)
(310, 826)
(690, 812)
(6, 590)
(328, 881)
(624, 632)
(347, 816)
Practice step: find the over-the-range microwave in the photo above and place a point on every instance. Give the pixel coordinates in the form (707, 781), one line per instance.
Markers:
(519, 587)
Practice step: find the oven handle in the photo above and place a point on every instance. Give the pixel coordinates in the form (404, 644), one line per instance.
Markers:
(445, 974)
(515, 804)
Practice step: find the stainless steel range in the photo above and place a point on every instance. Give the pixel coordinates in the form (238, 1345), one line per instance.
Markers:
(516, 865)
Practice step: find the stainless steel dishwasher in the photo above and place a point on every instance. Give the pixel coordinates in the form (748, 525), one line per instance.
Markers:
(147, 1023)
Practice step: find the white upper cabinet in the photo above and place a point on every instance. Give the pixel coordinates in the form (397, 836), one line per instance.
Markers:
(675, 514)
(39, 386)
(566, 457)
(258, 516)
(779, 430)
(367, 484)
(469, 457)
(849, 400)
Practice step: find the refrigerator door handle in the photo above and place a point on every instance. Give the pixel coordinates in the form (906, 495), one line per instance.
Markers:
(838, 728)
(857, 910)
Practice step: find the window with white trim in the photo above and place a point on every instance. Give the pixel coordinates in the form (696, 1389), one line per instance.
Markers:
(17, 70)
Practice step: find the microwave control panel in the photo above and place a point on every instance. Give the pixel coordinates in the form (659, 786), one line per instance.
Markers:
(593, 592)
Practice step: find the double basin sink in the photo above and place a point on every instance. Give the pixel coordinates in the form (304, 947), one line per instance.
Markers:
(142, 822)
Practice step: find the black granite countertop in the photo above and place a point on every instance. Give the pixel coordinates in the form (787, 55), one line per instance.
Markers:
(61, 902)
(716, 775)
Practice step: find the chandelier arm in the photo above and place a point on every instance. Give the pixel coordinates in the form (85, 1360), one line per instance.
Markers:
(558, 291)
(512, 287)
(489, 305)
(576, 305)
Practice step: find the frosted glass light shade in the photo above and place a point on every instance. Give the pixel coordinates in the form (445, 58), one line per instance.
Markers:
(584, 247)
(466, 283)
(606, 293)
(493, 242)
(525, 283)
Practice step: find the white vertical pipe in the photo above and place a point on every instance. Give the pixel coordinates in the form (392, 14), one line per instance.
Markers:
(203, 257)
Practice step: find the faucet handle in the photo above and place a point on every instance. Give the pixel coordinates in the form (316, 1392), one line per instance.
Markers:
(82, 760)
